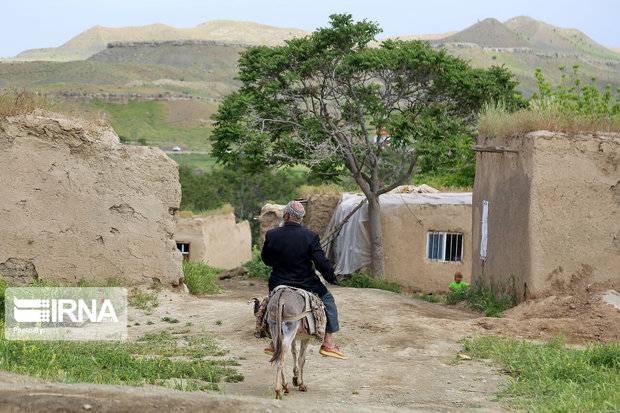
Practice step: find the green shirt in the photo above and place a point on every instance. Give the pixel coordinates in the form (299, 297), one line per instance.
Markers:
(460, 286)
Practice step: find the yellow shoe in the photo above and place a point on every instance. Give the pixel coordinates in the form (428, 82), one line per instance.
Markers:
(333, 352)
(270, 350)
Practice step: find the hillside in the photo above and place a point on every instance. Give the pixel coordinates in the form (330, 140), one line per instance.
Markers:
(555, 39)
(489, 32)
(145, 86)
(96, 38)
(201, 55)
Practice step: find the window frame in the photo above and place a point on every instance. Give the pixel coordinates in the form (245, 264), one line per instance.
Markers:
(185, 254)
(443, 235)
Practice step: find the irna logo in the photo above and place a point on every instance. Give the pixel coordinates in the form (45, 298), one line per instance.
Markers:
(60, 310)
(65, 313)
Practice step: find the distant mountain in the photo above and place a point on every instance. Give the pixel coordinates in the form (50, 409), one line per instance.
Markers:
(489, 32)
(549, 38)
(165, 70)
(523, 44)
(96, 38)
(200, 55)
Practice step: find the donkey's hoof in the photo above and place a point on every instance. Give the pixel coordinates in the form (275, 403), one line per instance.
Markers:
(279, 394)
(295, 381)
(303, 387)
(285, 387)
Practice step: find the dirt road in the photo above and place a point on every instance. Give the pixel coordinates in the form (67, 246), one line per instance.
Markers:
(401, 357)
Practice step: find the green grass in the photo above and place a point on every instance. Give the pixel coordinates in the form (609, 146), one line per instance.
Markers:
(492, 301)
(145, 123)
(428, 297)
(142, 299)
(256, 267)
(200, 278)
(195, 160)
(139, 363)
(364, 281)
(552, 377)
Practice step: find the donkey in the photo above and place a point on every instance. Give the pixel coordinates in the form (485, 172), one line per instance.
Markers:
(285, 311)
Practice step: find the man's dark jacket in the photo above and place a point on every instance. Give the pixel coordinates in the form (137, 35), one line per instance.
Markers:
(291, 250)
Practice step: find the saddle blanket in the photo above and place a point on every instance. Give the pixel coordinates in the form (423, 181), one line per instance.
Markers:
(313, 324)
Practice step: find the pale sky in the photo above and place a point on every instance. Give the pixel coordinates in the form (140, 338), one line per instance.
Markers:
(28, 24)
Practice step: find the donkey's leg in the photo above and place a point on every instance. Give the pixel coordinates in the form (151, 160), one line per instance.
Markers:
(302, 360)
(295, 363)
(290, 331)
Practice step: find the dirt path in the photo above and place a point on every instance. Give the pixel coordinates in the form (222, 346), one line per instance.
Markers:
(401, 354)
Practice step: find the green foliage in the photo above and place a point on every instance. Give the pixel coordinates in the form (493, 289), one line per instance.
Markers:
(138, 363)
(247, 192)
(573, 106)
(430, 298)
(364, 281)
(200, 278)
(257, 267)
(573, 96)
(142, 299)
(491, 300)
(552, 377)
(318, 101)
(3, 286)
(462, 178)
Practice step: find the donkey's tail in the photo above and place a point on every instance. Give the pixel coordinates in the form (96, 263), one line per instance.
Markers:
(277, 340)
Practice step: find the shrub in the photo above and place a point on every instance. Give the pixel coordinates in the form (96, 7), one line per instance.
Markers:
(257, 268)
(3, 286)
(572, 107)
(492, 301)
(364, 281)
(200, 278)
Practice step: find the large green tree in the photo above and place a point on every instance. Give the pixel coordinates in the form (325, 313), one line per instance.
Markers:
(340, 105)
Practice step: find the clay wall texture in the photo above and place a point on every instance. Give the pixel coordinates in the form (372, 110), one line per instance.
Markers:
(76, 204)
(405, 232)
(216, 240)
(554, 212)
(319, 210)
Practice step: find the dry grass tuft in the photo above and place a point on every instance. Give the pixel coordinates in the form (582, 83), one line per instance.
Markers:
(22, 102)
(497, 122)
(222, 210)
(226, 208)
(14, 102)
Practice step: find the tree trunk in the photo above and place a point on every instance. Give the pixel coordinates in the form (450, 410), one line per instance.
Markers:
(376, 237)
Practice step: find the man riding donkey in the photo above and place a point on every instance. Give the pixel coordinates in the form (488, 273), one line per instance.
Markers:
(291, 250)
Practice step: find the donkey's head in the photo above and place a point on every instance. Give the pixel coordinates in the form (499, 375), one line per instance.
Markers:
(256, 305)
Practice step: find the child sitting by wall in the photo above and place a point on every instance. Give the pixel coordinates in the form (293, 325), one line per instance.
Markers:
(458, 285)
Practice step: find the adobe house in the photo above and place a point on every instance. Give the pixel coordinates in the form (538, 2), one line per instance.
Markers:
(427, 236)
(546, 211)
(216, 240)
(76, 204)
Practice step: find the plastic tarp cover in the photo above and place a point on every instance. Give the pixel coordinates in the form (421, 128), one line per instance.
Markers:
(351, 248)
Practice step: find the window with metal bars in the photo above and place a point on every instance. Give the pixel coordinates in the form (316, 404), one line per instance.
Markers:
(184, 248)
(444, 246)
